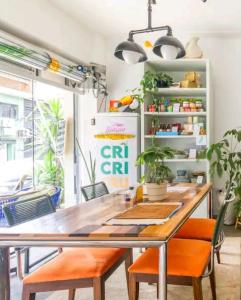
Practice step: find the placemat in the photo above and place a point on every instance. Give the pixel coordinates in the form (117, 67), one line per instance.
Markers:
(150, 211)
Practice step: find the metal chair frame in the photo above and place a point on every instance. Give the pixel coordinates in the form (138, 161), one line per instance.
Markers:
(8, 210)
(84, 190)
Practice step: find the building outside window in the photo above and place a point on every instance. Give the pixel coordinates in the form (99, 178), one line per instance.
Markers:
(29, 152)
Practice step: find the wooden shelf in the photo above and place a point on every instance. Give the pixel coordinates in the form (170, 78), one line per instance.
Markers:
(178, 65)
(173, 114)
(180, 92)
(170, 137)
(174, 160)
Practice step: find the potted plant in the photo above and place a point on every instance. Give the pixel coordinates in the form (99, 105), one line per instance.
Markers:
(163, 80)
(226, 163)
(150, 83)
(156, 173)
(49, 168)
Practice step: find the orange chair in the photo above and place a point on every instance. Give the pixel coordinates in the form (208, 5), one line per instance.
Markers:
(200, 229)
(187, 261)
(77, 268)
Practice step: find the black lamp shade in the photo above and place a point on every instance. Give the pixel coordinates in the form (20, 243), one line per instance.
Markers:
(168, 40)
(132, 47)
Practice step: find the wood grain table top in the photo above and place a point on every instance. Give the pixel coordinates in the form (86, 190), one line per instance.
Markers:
(85, 221)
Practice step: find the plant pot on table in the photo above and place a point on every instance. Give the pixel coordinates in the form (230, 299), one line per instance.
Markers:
(156, 191)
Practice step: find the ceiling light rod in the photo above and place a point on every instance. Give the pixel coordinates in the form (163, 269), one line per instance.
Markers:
(167, 46)
(150, 28)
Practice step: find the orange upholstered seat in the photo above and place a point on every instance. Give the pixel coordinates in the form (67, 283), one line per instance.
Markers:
(76, 264)
(199, 229)
(184, 258)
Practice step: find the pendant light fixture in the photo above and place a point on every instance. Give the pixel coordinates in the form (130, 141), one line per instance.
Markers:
(167, 47)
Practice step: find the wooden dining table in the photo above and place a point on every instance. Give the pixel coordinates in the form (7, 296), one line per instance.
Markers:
(84, 225)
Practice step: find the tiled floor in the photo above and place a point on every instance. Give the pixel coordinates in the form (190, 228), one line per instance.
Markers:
(227, 275)
(230, 230)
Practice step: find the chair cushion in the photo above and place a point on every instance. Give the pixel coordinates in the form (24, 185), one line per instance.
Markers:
(198, 229)
(76, 264)
(184, 258)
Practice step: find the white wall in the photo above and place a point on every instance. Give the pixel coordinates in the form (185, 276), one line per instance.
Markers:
(224, 52)
(87, 109)
(47, 26)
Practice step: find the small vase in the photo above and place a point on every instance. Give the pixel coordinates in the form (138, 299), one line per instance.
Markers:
(192, 49)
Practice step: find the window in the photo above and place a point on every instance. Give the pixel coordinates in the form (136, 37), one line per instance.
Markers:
(16, 136)
(59, 105)
(36, 135)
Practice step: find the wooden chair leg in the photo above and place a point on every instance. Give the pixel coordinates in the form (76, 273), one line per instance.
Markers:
(197, 288)
(32, 296)
(157, 291)
(218, 256)
(99, 288)
(27, 295)
(133, 288)
(137, 290)
(72, 294)
(128, 263)
(212, 282)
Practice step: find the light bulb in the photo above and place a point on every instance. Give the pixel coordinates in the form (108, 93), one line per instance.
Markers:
(169, 52)
(131, 57)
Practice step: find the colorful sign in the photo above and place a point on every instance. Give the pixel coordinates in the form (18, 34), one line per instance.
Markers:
(116, 151)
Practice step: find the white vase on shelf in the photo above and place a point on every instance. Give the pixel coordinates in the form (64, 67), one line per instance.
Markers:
(192, 49)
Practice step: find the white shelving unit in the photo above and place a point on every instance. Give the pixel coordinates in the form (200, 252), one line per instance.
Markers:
(177, 69)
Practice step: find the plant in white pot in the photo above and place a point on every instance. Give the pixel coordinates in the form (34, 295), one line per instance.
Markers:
(156, 172)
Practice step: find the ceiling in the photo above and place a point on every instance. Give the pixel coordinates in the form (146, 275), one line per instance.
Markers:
(117, 17)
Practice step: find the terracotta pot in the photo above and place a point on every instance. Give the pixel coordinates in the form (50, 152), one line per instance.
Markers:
(155, 191)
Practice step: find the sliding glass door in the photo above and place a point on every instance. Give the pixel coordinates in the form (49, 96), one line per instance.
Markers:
(54, 138)
(16, 133)
(36, 136)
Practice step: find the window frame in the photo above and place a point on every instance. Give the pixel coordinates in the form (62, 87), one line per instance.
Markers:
(35, 75)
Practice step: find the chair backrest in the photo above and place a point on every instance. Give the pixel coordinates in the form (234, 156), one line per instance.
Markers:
(230, 197)
(29, 209)
(94, 190)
